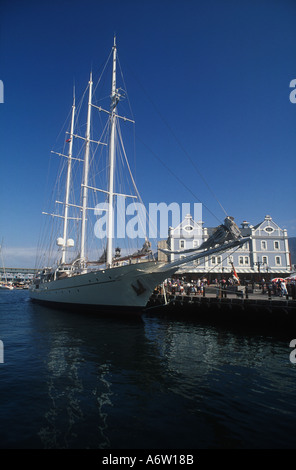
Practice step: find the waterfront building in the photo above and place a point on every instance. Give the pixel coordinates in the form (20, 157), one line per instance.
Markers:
(265, 256)
(17, 274)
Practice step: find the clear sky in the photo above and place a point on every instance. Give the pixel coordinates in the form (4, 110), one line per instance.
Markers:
(208, 82)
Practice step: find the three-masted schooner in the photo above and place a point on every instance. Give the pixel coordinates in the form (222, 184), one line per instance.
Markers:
(121, 283)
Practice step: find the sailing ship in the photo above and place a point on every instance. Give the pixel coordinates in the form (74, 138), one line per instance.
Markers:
(4, 285)
(113, 282)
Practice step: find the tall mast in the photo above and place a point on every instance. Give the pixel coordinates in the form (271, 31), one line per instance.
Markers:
(114, 101)
(2, 260)
(68, 183)
(85, 173)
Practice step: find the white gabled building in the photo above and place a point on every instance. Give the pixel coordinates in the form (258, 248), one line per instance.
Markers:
(188, 234)
(266, 255)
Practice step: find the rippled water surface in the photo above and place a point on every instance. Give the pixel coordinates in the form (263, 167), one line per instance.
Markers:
(71, 380)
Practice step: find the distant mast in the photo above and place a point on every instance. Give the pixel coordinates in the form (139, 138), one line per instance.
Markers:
(68, 184)
(85, 174)
(114, 102)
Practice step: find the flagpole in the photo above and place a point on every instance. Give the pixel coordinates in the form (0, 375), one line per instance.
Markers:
(234, 272)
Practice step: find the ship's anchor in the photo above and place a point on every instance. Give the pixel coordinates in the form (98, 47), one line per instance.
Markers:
(140, 289)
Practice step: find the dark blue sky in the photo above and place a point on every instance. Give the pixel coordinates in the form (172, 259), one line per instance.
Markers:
(208, 82)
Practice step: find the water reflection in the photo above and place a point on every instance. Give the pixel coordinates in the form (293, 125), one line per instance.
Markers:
(237, 383)
(64, 388)
(157, 383)
(89, 361)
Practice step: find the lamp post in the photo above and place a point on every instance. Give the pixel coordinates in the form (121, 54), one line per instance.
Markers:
(267, 270)
(258, 264)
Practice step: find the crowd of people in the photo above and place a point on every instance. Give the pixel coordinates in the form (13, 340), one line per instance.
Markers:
(278, 287)
(192, 287)
(179, 287)
(198, 286)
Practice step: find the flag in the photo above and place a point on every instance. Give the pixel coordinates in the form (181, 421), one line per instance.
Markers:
(234, 272)
(68, 140)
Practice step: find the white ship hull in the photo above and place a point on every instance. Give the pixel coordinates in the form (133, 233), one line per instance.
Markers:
(120, 288)
(126, 287)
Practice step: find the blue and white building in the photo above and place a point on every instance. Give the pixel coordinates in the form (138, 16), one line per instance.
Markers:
(17, 275)
(266, 255)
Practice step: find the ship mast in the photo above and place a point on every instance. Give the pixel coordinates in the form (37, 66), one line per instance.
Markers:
(114, 102)
(68, 184)
(85, 173)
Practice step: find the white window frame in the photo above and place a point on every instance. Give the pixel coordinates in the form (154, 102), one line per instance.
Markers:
(182, 242)
(278, 258)
(244, 247)
(262, 245)
(278, 243)
(269, 231)
(265, 262)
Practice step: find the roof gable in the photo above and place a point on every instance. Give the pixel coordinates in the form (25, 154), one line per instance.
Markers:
(268, 227)
(187, 228)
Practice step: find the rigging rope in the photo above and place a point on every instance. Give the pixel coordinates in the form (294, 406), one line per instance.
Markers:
(182, 148)
(179, 179)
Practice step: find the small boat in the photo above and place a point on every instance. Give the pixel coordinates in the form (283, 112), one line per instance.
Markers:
(112, 282)
(6, 286)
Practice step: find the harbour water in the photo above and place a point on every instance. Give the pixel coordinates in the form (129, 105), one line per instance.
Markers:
(76, 381)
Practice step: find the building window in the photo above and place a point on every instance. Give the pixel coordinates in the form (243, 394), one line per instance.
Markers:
(269, 229)
(245, 247)
(276, 245)
(216, 260)
(278, 260)
(230, 259)
(182, 244)
(247, 260)
(264, 260)
(263, 245)
(241, 260)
